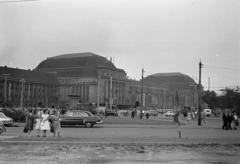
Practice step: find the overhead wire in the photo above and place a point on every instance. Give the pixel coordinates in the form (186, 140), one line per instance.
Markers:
(211, 69)
(223, 75)
(208, 66)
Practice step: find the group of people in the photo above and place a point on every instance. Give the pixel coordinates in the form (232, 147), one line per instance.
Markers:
(136, 113)
(40, 120)
(228, 118)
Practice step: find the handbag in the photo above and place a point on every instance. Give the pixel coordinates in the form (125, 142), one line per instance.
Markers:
(25, 129)
(51, 128)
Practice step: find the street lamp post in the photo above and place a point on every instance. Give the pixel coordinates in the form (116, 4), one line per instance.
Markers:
(142, 96)
(199, 96)
(111, 94)
(99, 76)
(164, 99)
(5, 87)
(22, 81)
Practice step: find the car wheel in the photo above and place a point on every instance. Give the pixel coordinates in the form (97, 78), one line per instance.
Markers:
(89, 125)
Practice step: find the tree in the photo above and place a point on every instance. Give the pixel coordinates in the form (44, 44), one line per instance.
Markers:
(229, 99)
(210, 98)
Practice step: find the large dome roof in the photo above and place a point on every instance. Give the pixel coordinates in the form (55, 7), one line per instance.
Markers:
(76, 60)
(174, 80)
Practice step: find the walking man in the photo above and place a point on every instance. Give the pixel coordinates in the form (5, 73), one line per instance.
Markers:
(225, 120)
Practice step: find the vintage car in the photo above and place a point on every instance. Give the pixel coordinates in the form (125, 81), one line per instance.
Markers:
(153, 113)
(169, 114)
(6, 120)
(2, 127)
(78, 117)
(111, 113)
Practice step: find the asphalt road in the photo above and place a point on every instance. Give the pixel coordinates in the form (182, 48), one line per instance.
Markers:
(125, 129)
(125, 141)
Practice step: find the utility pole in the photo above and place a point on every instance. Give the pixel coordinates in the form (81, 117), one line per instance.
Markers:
(199, 95)
(141, 96)
(178, 115)
(5, 87)
(164, 99)
(99, 76)
(22, 81)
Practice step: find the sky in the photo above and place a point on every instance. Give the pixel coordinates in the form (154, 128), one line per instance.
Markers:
(159, 36)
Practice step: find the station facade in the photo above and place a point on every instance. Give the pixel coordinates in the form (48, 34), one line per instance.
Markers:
(70, 80)
(27, 88)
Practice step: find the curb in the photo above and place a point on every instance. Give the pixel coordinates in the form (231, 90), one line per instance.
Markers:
(124, 143)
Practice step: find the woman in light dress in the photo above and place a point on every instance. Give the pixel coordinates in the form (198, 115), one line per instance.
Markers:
(38, 122)
(56, 123)
(189, 117)
(44, 122)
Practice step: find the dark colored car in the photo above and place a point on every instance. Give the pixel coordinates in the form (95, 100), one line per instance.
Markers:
(80, 118)
(2, 127)
(110, 113)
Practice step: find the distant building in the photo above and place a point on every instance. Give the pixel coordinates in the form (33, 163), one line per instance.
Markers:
(177, 82)
(79, 74)
(38, 89)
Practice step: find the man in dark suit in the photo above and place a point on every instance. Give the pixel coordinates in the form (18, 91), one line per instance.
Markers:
(230, 119)
(225, 120)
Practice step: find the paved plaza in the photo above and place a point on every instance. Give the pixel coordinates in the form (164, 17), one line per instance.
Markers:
(157, 140)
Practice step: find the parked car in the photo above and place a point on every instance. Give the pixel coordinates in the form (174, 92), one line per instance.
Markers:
(153, 113)
(111, 113)
(5, 120)
(169, 113)
(80, 118)
(208, 112)
(2, 127)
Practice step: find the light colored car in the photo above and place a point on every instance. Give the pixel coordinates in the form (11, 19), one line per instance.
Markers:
(169, 113)
(6, 120)
(208, 112)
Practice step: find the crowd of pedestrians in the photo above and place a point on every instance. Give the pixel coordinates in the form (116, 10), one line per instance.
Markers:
(43, 120)
(228, 118)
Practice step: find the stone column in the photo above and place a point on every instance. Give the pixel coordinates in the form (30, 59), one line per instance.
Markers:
(106, 91)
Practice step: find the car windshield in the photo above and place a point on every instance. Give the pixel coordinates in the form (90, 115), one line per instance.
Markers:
(87, 113)
(2, 115)
(78, 114)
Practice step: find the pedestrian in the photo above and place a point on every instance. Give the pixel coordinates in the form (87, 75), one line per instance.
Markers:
(56, 123)
(229, 119)
(203, 117)
(44, 122)
(38, 122)
(147, 114)
(138, 113)
(119, 113)
(225, 120)
(30, 121)
(135, 113)
(189, 117)
(132, 116)
(192, 115)
(235, 120)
